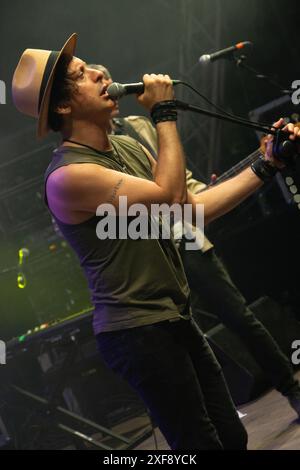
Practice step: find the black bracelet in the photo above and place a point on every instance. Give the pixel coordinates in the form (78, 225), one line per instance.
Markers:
(164, 111)
(263, 169)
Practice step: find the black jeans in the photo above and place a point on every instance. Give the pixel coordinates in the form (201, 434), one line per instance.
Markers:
(173, 369)
(214, 292)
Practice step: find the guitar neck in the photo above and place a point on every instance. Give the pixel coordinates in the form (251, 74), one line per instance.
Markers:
(238, 167)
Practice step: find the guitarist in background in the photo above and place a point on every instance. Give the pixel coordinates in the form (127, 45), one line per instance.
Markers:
(211, 286)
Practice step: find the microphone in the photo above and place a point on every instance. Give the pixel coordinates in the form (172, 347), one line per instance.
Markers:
(117, 90)
(223, 53)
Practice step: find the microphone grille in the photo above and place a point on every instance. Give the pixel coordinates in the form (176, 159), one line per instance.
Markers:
(116, 90)
(204, 59)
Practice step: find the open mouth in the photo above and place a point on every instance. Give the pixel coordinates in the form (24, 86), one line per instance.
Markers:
(103, 91)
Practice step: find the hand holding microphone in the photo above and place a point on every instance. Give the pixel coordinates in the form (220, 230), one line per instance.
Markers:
(157, 88)
(155, 93)
(118, 90)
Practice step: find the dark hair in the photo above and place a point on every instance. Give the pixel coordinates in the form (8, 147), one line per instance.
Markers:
(62, 90)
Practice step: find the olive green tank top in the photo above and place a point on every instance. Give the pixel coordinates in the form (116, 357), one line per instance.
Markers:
(132, 282)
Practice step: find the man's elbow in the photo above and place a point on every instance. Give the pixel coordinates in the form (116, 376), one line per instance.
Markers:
(180, 198)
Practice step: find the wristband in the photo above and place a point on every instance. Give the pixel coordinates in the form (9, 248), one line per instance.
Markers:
(263, 169)
(164, 111)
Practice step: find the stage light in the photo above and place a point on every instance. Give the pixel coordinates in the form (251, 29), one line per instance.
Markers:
(21, 281)
(297, 198)
(294, 189)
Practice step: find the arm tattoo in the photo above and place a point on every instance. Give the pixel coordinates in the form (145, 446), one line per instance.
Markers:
(115, 190)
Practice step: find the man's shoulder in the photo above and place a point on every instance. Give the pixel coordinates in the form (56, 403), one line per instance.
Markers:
(138, 121)
(125, 141)
(120, 138)
(74, 172)
(133, 118)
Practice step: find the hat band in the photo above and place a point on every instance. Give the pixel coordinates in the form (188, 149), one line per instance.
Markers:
(48, 69)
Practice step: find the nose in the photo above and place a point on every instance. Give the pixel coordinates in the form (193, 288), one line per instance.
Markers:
(107, 80)
(97, 75)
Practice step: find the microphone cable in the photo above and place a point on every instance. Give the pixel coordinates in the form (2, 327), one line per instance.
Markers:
(222, 110)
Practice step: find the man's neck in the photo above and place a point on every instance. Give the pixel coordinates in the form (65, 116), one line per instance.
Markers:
(110, 127)
(87, 134)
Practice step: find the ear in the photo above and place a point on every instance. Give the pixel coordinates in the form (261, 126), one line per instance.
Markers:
(63, 109)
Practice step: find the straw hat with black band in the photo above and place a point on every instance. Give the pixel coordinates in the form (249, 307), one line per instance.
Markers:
(33, 80)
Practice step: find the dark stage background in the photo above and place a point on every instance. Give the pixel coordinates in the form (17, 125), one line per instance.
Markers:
(259, 241)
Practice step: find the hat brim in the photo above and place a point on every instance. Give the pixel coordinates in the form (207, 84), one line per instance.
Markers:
(42, 125)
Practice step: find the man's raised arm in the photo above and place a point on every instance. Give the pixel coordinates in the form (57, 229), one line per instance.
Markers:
(222, 198)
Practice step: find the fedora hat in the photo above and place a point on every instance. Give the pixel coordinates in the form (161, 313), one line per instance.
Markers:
(33, 80)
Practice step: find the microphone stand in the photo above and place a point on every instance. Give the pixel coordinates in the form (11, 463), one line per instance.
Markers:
(283, 149)
(196, 109)
(240, 62)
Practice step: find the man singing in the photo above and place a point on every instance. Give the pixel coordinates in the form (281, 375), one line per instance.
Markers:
(142, 319)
